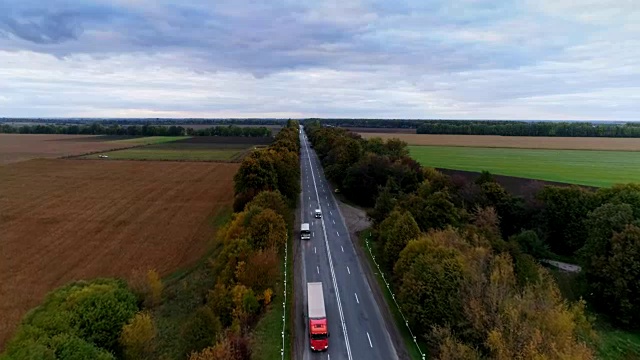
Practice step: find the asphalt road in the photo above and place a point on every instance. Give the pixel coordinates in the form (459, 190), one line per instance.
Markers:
(356, 326)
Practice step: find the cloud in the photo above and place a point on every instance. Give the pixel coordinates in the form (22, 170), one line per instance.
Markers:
(445, 59)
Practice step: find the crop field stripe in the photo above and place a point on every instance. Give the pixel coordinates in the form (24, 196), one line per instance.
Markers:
(518, 142)
(594, 168)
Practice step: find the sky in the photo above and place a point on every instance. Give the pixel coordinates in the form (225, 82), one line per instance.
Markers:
(447, 59)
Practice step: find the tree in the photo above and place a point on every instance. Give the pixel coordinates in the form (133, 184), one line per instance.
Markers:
(201, 330)
(531, 244)
(485, 177)
(267, 230)
(434, 212)
(137, 337)
(615, 277)
(384, 205)
(155, 287)
(395, 233)
(257, 172)
(260, 271)
(563, 217)
(271, 200)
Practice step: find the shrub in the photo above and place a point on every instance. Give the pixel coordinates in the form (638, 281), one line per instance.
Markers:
(201, 330)
(137, 338)
(155, 288)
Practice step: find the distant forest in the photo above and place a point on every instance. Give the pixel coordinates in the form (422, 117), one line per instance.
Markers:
(135, 130)
(495, 127)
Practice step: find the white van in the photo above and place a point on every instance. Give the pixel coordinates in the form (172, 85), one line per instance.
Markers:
(305, 233)
(318, 214)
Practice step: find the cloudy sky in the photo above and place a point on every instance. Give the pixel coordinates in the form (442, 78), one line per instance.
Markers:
(485, 59)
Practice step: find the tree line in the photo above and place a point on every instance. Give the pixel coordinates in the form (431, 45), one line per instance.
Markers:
(495, 127)
(111, 319)
(463, 254)
(135, 130)
(149, 121)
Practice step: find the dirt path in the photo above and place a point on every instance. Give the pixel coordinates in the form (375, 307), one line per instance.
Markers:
(357, 221)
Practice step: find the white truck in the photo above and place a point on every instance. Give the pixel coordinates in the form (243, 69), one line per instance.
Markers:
(305, 232)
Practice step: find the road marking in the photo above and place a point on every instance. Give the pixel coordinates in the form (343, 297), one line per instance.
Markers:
(369, 337)
(341, 248)
(334, 222)
(333, 274)
(313, 234)
(318, 269)
(330, 212)
(349, 271)
(358, 301)
(315, 250)
(338, 233)
(309, 197)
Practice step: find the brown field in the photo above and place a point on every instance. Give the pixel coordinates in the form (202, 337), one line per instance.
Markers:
(63, 220)
(381, 130)
(20, 147)
(525, 142)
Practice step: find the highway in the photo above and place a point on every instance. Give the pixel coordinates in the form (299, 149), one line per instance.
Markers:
(356, 326)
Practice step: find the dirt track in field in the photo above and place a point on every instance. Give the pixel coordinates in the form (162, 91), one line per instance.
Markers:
(20, 147)
(64, 220)
(525, 142)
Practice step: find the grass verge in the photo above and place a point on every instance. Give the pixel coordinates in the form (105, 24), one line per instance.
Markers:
(583, 167)
(142, 153)
(406, 335)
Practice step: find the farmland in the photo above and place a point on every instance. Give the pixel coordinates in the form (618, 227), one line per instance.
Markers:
(90, 218)
(595, 168)
(523, 142)
(20, 147)
(190, 149)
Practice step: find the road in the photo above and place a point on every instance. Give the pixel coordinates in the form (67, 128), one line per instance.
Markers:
(356, 325)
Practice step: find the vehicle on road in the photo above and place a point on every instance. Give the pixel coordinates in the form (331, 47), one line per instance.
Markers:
(305, 233)
(318, 214)
(317, 316)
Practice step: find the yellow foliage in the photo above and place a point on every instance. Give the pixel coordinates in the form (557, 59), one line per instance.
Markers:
(155, 288)
(267, 296)
(137, 337)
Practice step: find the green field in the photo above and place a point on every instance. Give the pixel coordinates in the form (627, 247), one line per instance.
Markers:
(148, 140)
(176, 151)
(585, 167)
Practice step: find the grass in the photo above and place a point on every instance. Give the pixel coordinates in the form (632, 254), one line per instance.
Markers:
(584, 167)
(148, 140)
(406, 335)
(144, 153)
(184, 292)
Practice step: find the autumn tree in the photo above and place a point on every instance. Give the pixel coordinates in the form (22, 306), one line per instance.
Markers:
(138, 336)
(260, 271)
(267, 229)
(273, 200)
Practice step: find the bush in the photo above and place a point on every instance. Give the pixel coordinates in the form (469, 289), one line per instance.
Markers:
(137, 338)
(531, 244)
(155, 288)
(80, 318)
(201, 330)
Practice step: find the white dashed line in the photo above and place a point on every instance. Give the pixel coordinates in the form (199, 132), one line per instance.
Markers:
(315, 251)
(358, 301)
(370, 344)
(318, 269)
(349, 271)
(334, 222)
(341, 248)
(338, 233)
(330, 212)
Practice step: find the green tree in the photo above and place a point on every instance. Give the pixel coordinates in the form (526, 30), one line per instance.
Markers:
(395, 232)
(137, 337)
(531, 244)
(267, 229)
(271, 200)
(201, 330)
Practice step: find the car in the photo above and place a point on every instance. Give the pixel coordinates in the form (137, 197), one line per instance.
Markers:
(318, 214)
(103, 156)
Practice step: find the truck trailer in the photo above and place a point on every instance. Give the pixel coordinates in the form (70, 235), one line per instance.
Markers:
(317, 316)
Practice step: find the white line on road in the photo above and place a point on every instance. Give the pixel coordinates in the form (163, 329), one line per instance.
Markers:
(315, 250)
(349, 271)
(341, 248)
(368, 337)
(330, 212)
(318, 269)
(334, 222)
(338, 233)
(358, 301)
(333, 275)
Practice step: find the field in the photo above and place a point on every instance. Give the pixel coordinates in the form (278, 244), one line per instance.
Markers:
(523, 142)
(62, 220)
(593, 168)
(21, 147)
(189, 149)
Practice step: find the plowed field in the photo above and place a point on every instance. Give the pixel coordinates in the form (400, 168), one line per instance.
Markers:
(62, 220)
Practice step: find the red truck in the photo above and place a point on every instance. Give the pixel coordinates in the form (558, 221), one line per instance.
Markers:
(317, 316)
